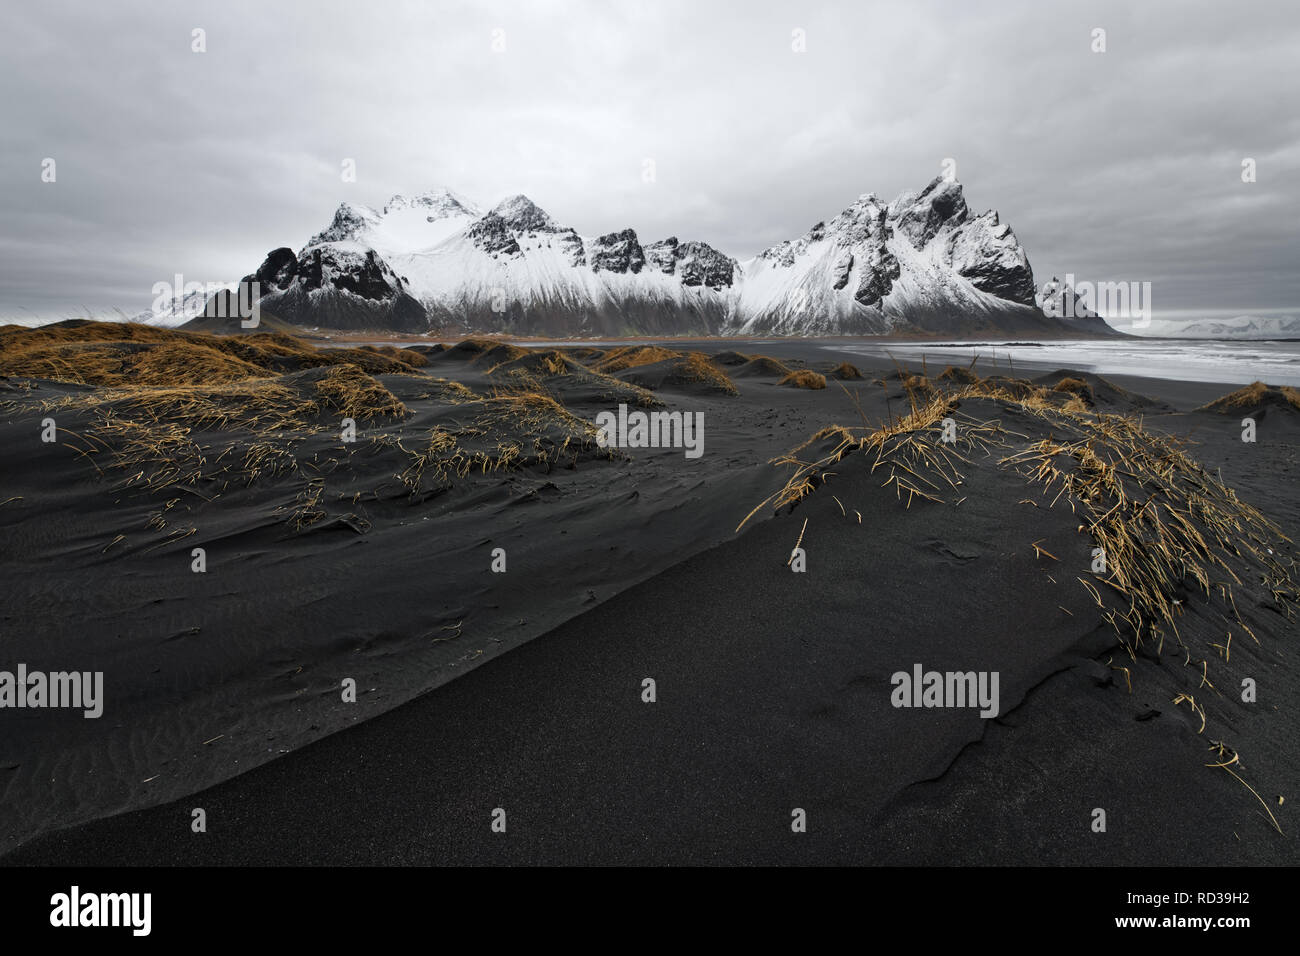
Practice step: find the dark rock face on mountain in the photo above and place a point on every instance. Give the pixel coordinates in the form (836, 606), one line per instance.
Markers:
(348, 223)
(277, 270)
(570, 243)
(841, 270)
(521, 214)
(701, 264)
(330, 287)
(492, 234)
(986, 253)
(697, 263)
(662, 255)
(367, 276)
(940, 204)
(877, 278)
(617, 252)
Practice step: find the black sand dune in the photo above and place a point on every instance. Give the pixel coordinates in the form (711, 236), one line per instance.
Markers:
(760, 366)
(1101, 393)
(691, 374)
(773, 687)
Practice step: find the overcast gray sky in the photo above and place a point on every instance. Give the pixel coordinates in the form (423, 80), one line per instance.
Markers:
(1123, 165)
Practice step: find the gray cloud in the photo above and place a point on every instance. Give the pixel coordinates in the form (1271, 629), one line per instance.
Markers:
(1116, 166)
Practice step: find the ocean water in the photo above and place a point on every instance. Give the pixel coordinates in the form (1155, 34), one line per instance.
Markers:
(1275, 363)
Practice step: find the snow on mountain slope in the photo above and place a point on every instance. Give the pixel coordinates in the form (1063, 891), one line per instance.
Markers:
(404, 225)
(921, 263)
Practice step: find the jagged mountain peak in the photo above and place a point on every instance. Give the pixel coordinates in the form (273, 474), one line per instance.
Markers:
(350, 221)
(941, 204)
(523, 215)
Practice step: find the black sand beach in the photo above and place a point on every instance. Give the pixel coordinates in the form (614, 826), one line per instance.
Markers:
(523, 690)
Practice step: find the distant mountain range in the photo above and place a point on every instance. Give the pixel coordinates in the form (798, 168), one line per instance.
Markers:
(1239, 327)
(923, 263)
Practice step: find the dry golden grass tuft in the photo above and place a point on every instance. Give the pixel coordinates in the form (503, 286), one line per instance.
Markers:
(919, 384)
(184, 363)
(406, 356)
(546, 364)
(1253, 396)
(959, 375)
(1076, 405)
(1247, 397)
(349, 392)
(846, 372)
(696, 368)
(632, 356)
(1075, 385)
(804, 378)
(674, 368)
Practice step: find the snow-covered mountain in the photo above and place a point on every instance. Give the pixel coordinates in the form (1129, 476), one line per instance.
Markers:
(1242, 327)
(922, 262)
(175, 309)
(436, 261)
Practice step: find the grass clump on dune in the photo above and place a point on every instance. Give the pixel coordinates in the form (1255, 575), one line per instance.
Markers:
(652, 366)
(955, 374)
(846, 372)
(695, 367)
(1076, 385)
(804, 378)
(1253, 396)
(632, 356)
(546, 364)
(351, 393)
